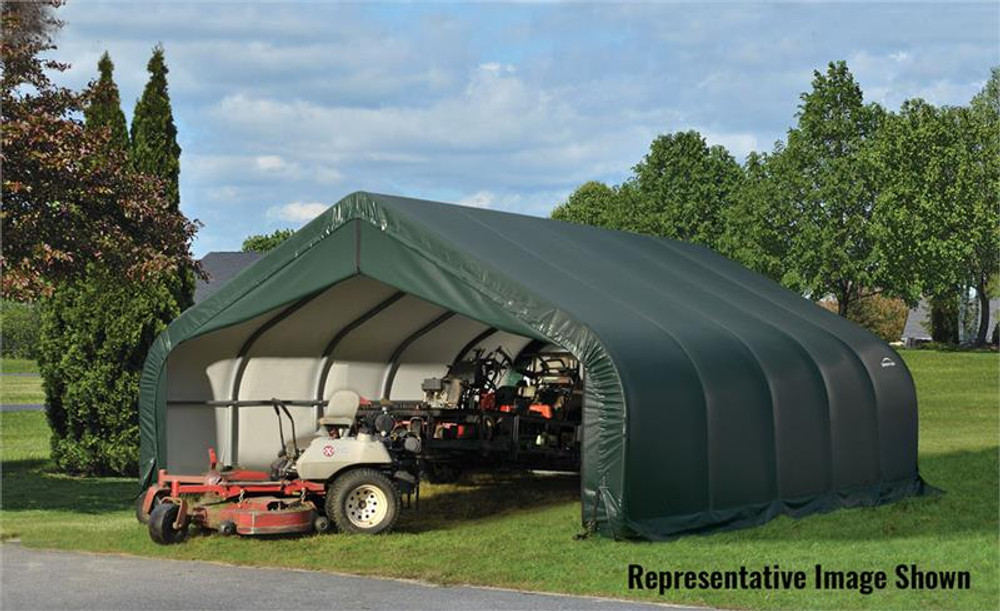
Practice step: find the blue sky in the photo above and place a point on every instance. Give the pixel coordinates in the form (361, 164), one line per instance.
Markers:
(284, 107)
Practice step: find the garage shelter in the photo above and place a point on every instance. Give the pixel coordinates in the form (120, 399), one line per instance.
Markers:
(713, 398)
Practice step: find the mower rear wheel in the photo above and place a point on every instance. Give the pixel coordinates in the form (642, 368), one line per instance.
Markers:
(363, 501)
(161, 524)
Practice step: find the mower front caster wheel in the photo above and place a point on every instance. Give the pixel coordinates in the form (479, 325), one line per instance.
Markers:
(161, 524)
(363, 501)
(141, 515)
(322, 525)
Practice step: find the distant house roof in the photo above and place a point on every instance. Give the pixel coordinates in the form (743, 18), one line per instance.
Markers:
(915, 329)
(220, 268)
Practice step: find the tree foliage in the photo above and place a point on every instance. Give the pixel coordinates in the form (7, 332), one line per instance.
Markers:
(98, 240)
(685, 187)
(939, 209)
(18, 330)
(760, 224)
(856, 204)
(916, 157)
(681, 189)
(980, 128)
(95, 333)
(155, 152)
(154, 136)
(266, 242)
(883, 316)
(63, 207)
(832, 187)
(104, 110)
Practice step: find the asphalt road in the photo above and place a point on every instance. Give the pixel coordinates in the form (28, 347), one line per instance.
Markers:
(22, 407)
(38, 579)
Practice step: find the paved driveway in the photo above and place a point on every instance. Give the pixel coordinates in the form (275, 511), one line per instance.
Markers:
(36, 579)
(22, 407)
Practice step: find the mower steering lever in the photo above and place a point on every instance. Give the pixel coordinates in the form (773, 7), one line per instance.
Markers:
(279, 407)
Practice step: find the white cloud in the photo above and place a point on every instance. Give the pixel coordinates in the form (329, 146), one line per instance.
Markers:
(480, 199)
(296, 212)
(497, 68)
(530, 136)
(275, 103)
(271, 163)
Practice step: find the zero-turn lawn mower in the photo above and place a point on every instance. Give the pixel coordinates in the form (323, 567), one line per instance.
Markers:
(351, 476)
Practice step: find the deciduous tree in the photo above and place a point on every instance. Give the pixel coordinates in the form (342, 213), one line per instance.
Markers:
(62, 209)
(833, 188)
(266, 242)
(980, 125)
(685, 187)
(759, 224)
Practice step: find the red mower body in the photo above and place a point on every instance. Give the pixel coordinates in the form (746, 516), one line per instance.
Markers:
(237, 502)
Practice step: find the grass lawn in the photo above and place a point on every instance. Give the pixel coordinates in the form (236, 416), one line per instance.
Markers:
(518, 532)
(18, 366)
(18, 389)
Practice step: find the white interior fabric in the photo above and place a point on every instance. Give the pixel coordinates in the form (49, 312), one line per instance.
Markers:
(284, 359)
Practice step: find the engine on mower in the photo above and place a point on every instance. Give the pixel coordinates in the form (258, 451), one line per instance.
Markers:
(350, 474)
(493, 411)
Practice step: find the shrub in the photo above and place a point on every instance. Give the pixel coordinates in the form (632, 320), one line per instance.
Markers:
(95, 336)
(18, 330)
(883, 316)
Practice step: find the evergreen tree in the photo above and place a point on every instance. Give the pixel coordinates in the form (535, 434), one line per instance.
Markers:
(104, 110)
(154, 136)
(155, 151)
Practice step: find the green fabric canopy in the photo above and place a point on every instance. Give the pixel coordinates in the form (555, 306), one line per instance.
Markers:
(714, 398)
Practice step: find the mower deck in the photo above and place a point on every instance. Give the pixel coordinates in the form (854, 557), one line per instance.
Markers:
(231, 502)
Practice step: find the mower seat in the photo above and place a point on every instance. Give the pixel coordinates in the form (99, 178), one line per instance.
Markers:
(342, 409)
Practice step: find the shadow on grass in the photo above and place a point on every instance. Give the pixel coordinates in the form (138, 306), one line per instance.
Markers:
(482, 496)
(27, 485)
(970, 504)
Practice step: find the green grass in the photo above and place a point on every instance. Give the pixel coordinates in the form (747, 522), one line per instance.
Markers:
(18, 366)
(518, 532)
(19, 390)
(16, 389)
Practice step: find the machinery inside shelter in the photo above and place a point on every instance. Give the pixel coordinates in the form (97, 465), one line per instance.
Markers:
(476, 396)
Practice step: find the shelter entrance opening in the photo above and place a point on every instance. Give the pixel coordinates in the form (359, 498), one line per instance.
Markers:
(473, 394)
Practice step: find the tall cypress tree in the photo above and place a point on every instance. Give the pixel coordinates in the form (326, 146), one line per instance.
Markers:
(155, 151)
(104, 110)
(154, 136)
